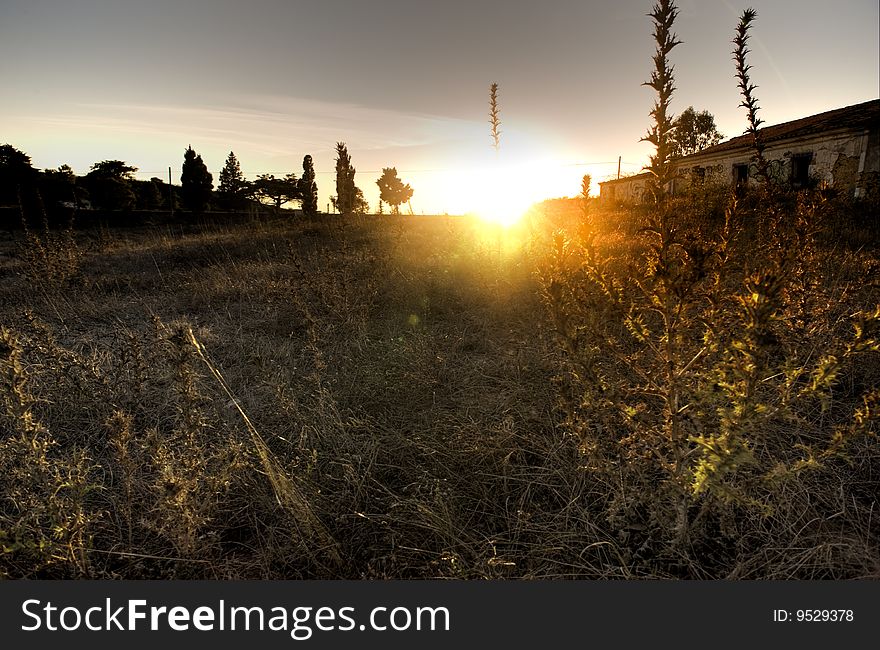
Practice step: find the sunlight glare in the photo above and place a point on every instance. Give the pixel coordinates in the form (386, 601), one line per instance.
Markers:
(502, 195)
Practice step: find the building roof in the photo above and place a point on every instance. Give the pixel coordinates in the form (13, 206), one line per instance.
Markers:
(856, 116)
(623, 179)
(850, 117)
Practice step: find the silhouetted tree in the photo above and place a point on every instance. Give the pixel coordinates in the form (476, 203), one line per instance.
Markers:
(392, 190)
(308, 189)
(277, 190)
(110, 185)
(17, 176)
(346, 190)
(59, 186)
(234, 190)
(359, 205)
(114, 169)
(148, 194)
(196, 182)
(693, 132)
(167, 194)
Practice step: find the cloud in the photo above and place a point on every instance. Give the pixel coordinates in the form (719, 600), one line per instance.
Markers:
(261, 126)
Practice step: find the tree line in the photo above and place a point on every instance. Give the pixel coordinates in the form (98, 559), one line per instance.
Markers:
(111, 185)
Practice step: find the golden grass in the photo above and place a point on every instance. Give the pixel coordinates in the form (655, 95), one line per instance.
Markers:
(381, 398)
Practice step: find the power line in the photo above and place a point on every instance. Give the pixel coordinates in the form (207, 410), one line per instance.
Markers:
(606, 162)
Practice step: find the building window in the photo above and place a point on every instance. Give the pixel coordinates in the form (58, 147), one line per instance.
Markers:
(698, 174)
(800, 170)
(740, 174)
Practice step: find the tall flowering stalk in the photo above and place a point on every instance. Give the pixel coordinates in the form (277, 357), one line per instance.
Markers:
(664, 13)
(494, 116)
(747, 88)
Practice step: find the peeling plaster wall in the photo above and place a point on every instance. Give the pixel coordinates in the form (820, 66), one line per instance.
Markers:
(848, 161)
(845, 160)
(869, 181)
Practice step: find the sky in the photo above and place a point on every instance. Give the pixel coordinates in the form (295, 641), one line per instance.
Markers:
(404, 83)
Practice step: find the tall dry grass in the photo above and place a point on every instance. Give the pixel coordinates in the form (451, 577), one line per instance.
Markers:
(391, 400)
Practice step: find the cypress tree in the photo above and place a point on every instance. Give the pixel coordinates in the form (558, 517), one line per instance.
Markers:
(308, 188)
(234, 189)
(346, 191)
(196, 182)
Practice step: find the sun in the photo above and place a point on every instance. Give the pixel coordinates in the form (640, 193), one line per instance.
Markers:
(499, 195)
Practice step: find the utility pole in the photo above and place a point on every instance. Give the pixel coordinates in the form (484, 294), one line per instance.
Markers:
(619, 158)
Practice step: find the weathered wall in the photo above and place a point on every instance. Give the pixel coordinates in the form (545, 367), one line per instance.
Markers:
(842, 160)
(625, 190)
(848, 161)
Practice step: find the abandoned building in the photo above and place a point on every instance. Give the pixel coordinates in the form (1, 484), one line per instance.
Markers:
(839, 149)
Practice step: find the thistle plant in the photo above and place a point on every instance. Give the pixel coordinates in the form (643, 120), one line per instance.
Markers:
(51, 258)
(685, 352)
(44, 524)
(586, 181)
(494, 117)
(663, 13)
(747, 88)
(587, 228)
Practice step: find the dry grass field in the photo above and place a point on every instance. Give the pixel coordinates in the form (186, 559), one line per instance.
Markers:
(434, 398)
